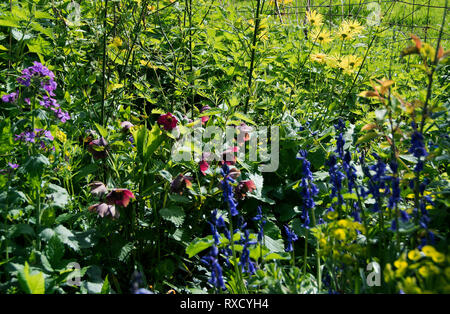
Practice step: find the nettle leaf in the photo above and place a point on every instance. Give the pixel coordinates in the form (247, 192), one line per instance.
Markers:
(58, 195)
(65, 236)
(35, 165)
(274, 245)
(31, 284)
(19, 229)
(198, 245)
(174, 214)
(54, 251)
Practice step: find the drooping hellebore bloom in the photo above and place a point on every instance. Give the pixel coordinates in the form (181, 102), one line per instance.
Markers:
(204, 166)
(244, 187)
(98, 148)
(103, 209)
(167, 121)
(126, 126)
(204, 118)
(180, 183)
(228, 156)
(98, 189)
(119, 197)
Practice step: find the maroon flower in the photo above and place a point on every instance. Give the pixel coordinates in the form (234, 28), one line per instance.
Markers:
(103, 210)
(204, 166)
(98, 148)
(244, 187)
(204, 118)
(229, 157)
(180, 183)
(234, 173)
(98, 189)
(167, 121)
(119, 197)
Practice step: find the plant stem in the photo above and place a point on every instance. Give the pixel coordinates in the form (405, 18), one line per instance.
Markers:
(252, 58)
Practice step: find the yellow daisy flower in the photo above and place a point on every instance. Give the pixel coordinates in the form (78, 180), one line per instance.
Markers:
(350, 64)
(322, 37)
(353, 25)
(340, 234)
(314, 18)
(334, 61)
(345, 33)
(318, 57)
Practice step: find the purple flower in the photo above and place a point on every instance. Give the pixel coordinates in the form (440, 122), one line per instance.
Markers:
(13, 166)
(291, 238)
(10, 97)
(227, 190)
(309, 189)
(418, 149)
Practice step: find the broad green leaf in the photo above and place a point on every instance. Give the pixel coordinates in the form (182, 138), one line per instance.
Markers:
(198, 245)
(31, 284)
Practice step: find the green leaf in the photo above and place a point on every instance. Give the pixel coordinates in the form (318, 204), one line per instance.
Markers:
(54, 251)
(103, 132)
(19, 229)
(367, 137)
(198, 245)
(32, 284)
(274, 245)
(106, 289)
(35, 165)
(174, 214)
(58, 195)
(277, 256)
(243, 117)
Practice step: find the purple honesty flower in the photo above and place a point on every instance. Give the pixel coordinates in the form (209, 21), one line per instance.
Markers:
(38, 73)
(13, 166)
(10, 97)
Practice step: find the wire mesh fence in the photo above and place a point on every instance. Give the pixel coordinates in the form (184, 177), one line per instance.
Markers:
(421, 17)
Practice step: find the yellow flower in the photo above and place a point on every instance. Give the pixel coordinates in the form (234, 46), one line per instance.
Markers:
(340, 234)
(314, 18)
(410, 285)
(60, 135)
(322, 37)
(414, 255)
(345, 33)
(334, 61)
(354, 26)
(428, 250)
(424, 271)
(117, 42)
(332, 215)
(388, 273)
(438, 257)
(350, 64)
(343, 223)
(399, 264)
(319, 57)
